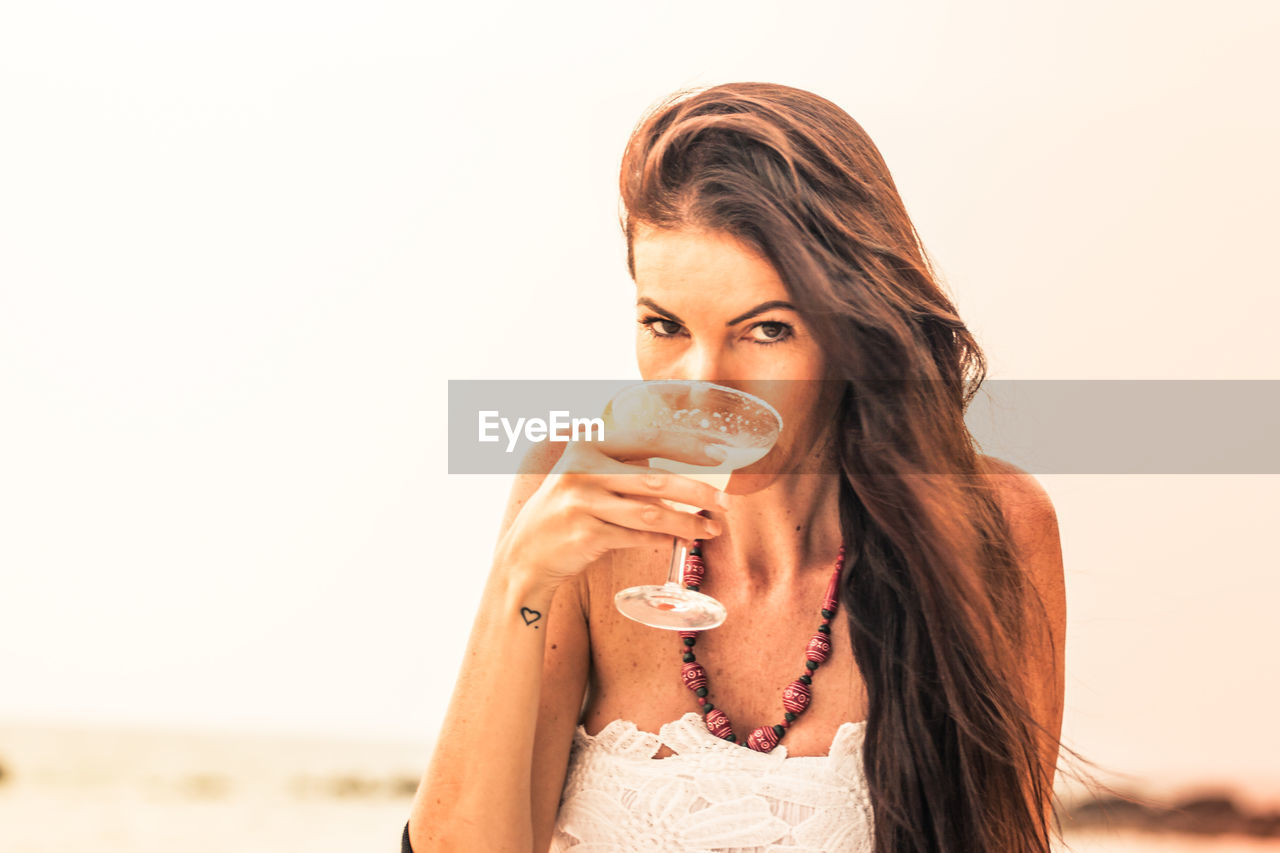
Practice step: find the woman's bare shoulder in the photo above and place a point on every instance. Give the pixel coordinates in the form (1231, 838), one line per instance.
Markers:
(1020, 492)
(1033, 526)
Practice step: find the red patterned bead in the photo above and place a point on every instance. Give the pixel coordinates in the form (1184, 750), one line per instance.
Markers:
(694, 570)
(718, 724)
(763, 739)
(829, 602)
(819, 648)
(688, 635)
(795, 697)
(694, 676)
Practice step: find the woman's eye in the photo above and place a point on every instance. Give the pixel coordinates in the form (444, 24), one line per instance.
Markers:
(660, 327)
(771, 333)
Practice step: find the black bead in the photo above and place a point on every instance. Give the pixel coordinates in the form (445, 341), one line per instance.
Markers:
(689, 641)
(811, 665)
(779, 731)
(826, 629)
(789, 717)
(700, 692)
(805, 679)
(708, 708)
(732, 738)
(696, 551)
(689, 658)
(827, 614)
(692, 587)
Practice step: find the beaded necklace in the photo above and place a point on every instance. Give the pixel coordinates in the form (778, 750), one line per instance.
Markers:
(795, 696)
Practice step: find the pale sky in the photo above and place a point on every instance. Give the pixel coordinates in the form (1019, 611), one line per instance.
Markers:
(243, 248)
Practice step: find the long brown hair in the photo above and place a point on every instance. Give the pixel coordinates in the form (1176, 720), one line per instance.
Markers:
(936, 604)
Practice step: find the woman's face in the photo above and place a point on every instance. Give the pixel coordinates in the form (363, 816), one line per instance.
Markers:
(708, 307)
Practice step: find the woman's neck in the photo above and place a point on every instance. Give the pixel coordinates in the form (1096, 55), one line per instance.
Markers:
(774, 535)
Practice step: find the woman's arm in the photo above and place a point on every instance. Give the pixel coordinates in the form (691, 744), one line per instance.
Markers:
(1033, 523)
(1039, 545)
(564, 682)
(498, 767)
(528, 652)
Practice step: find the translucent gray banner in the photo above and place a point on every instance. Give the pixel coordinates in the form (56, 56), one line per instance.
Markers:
(1044, 426)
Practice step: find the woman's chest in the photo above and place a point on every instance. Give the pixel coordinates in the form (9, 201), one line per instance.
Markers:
(749, 661)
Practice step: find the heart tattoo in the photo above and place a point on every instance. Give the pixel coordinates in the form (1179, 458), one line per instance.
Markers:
(529, 616)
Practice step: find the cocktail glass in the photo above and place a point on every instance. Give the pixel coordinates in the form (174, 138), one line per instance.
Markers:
(742, 425)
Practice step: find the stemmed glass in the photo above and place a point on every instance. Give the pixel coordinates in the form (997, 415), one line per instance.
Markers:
(742, 425)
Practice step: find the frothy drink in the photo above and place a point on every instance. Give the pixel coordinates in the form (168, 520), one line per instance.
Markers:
(716, 476)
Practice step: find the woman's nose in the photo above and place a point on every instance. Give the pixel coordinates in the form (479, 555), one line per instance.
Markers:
(703, 364)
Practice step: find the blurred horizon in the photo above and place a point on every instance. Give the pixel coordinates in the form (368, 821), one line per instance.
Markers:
(147, 789)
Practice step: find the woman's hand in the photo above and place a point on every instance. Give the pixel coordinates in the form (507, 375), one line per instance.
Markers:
(595, 500)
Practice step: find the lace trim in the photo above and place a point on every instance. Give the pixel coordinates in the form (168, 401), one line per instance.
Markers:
(689, 735)
(711, 795)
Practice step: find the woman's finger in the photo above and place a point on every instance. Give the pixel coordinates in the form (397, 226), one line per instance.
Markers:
(652, 516)
(638, 481)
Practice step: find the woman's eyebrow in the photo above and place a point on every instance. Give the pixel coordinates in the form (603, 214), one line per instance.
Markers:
(644, 300)
(760, 309)
(747, 315)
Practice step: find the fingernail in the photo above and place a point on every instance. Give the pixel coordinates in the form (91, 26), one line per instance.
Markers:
(722, 498)
(716, 452)
(713, 527)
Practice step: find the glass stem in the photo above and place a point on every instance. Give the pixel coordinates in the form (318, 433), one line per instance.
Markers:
(679, 551)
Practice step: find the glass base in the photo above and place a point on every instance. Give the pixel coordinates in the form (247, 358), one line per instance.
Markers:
(671, 607)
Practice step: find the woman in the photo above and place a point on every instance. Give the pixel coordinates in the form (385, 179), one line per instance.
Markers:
(770, 252)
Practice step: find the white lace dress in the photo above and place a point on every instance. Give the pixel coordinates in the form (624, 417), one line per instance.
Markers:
(711, 795)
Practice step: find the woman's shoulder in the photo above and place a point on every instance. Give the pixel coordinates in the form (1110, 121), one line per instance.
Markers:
(1033, 528)
(1032, 520)
(1022, 496)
